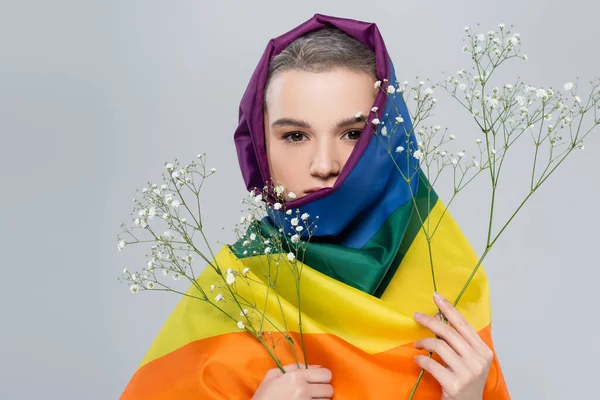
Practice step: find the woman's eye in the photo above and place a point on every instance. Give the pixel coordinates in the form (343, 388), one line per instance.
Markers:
(295, 137)
(353, 135)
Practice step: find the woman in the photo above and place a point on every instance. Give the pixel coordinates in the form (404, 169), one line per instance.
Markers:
(307, 121)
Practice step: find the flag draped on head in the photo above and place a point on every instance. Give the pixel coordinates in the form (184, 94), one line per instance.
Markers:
(362, 279)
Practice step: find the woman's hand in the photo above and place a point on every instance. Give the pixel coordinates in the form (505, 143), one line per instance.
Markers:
(295, 384)
(467, 357)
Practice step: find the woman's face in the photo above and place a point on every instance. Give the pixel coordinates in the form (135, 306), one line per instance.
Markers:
(311, 126)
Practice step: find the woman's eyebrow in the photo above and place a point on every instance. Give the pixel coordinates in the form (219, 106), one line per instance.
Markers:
(290, 122)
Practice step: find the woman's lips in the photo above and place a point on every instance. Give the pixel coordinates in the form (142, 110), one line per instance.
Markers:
(311, 190)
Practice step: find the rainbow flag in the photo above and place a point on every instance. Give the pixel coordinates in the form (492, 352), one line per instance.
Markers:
(362, 279)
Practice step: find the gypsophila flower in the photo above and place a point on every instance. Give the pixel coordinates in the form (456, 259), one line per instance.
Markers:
(175, 203)
(359, 114)
(150, 285)
(136, 221)
(462, 87)
(125, 270)
(292, 195)
(240, 325)
(466, 28)
(246, 270)
(452, 137)
(288, 212)
(244, 312)
(418, 154)
(476, 163)
(460, 154)
(230, 278)
(493, 151)
(267, 250)
(375, 121)
(478, 141)
(305, 216)
(176, 276)
(243, 220)
(277, 206)
(581, 147)
(295, 238)
(291, 256)
(524, 57)
(213, 170)
(212, 288)
(428, 92)
(252, 236)
(175, 174)
(377, 84)
(169, 167)
(258, 198)
(299, 228)
(391, 89)
(568, 86)
(454, 161)
(279, 190)
(384, 131)
(374, 109)
(578, 99)
(134, 288)
(294, 221)
(219, 297)
(501, 26)
(399, 149)
(399, 120)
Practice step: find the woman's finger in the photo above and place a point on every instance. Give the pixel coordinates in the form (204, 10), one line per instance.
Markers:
(320, 391)
(449, 334)
(441, 374)
(316, 375)
(460, 324)
(441, 348)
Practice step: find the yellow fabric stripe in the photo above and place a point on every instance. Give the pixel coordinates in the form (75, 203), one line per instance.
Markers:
(329, 306)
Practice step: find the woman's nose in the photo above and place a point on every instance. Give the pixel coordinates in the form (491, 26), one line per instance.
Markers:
(326, 162)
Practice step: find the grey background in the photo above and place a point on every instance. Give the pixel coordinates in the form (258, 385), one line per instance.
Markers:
(96, 95)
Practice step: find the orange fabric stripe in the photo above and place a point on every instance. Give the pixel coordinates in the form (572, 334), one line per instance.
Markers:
(231, 366)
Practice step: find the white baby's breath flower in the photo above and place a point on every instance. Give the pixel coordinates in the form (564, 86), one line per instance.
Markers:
(258, 198)
(219, 297)
(568, 86)
(443, 154)
(134, 288)
(493, 151)
(292, 195)
(299, 228)
(359, 114)
(305, 216)
(525, 57)
(399, 149)
(418, 154)
(428, 92)
(454, 161)
(578, 99)
(377, 84)
(279, 190)
(399, 120)
(246, 270)
(137, 221)
(212, 288)
(466, 29)
(150, 285)
(460, 154)
(213, 170)
(541, 93)
(478, 141)
(500, 26)
(481, 37)
(252, 236)
(240, 325)
(475, 163)
(452, 137)
(375, 121)
(175, 174)
(294, 221)
(374, 109)
(267, 250)
(175, 203)
(295, 238)
(243, 220)
(462, 87)
(288, 212)
(169, 167)
(277, 206)
(244, 312)
(391, 89)
(581, 147)
(384, 131)
(291, 256)
(230, 278)
(176, 276)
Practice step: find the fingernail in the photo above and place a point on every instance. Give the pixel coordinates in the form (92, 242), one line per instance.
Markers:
(418, 315)
(438, 296)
